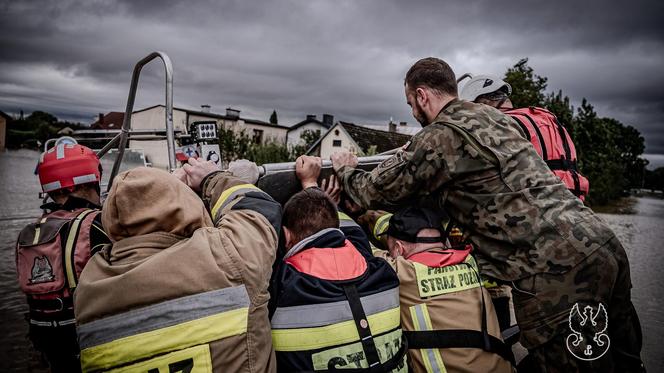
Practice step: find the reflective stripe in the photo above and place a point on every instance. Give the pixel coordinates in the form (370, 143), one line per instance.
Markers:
(38, 230)
(433, 362)
(301, 245)
(381, 225)
(304, 339)
(229, 194)
(89, 178)
(346, 221)
(53, 323)
(331, 313)
(70, 267)
(168, 313)
(190, 360)
(48, 187)
(60, 151)
(171, 325)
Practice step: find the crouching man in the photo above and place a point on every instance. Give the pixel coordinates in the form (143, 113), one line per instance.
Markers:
(337, 306)
(446, 315)
(184, 285)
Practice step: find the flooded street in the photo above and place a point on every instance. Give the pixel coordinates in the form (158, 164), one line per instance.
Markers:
(641, 234)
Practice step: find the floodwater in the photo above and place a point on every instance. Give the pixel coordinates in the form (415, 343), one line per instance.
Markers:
(641, 234)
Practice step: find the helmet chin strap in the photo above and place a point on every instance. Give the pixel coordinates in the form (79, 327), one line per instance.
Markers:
(500, 103)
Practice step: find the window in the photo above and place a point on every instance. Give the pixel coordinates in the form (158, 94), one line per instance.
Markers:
(336, 143)
(258, 136)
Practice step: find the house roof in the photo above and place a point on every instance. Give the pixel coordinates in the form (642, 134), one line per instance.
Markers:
(308, 121)
(366, 137)
(112, 120)
(6, 116)
(216, 116)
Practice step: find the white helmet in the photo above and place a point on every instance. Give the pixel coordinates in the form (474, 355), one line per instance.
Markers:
(481, 85)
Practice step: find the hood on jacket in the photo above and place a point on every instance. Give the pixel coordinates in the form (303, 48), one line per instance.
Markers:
(147, 200)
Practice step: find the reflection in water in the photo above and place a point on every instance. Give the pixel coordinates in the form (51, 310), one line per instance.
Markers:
(19, 187)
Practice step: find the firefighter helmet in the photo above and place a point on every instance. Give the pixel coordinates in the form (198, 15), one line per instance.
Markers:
(67, 165)
(481, 85)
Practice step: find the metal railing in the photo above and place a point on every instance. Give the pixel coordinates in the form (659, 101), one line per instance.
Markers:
(122, 137)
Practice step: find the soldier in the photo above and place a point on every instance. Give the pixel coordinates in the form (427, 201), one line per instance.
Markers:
(471, 161)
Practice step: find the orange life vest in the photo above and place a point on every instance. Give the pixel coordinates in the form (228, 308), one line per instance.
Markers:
(553, 143)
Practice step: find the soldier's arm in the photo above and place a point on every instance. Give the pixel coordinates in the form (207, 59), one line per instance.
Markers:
(415, 171)
(249, 219)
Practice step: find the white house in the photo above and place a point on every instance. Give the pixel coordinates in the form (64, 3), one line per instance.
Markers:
(361, 140)
(311, 123)
(153, 118)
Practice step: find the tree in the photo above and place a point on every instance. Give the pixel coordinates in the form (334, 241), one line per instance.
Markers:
(273, 117)
(527, 88)
(309, 138)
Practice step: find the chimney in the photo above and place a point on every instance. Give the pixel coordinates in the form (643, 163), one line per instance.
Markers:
(392, 127)
(101, 119)
(232, 113)
(205, 108)
(403, 124)
(327, 120)
(311, 117)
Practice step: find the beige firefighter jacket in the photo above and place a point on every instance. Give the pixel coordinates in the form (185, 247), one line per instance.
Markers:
(457, 309)
(176, 291)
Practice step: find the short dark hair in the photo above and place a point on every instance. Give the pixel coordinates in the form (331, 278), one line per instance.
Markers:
(308, 212)
(432, 73)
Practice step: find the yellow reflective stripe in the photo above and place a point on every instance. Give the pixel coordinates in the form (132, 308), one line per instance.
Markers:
(488, 284)
(70, 268)
(381, 224)
(433, 362)
(195, 360)
(303, 339)
(226, 194)
(344, 216)
(36, 239)
(155, 342)
(374, 249)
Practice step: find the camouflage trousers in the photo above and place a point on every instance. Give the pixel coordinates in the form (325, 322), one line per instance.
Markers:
(563, 325)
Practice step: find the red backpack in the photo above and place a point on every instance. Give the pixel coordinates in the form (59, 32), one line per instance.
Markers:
(553, 144)
(48, 268)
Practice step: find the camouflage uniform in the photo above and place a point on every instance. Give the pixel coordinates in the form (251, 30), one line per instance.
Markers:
(474, 163)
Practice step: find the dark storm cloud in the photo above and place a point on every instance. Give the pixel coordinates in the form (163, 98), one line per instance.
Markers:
(347, 58)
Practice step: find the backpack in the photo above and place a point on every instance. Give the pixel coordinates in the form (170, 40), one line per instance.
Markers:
(48, 268)
(553, 143)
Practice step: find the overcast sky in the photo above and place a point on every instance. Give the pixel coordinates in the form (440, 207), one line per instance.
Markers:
(347, 58)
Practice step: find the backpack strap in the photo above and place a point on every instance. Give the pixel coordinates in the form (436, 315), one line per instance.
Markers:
(523, 126)
(362, 325)
(69, 259)
(458, 338)
(568, 157)
(540, 138)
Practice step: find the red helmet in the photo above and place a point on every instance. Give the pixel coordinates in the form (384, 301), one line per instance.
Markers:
(66, 165)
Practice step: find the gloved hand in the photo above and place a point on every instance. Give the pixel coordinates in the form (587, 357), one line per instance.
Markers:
(245, 170)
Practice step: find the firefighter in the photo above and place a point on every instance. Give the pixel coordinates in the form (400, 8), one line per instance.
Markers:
(51, 252)
(184, 287)
(541, 127)
(446, 314)
(337, 306)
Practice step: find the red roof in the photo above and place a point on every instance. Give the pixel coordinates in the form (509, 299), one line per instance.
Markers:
(110, 121)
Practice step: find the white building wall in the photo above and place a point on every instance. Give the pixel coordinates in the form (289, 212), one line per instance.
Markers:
(154, 119)
(294, 135)
(337, 132)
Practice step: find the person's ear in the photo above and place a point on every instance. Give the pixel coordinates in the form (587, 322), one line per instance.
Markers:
(422, 96)
(399, 247)
(288, 235)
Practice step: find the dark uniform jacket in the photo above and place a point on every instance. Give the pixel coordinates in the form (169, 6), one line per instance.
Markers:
(337, 306)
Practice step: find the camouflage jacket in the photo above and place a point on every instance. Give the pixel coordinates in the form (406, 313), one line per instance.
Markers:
(474, 162)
